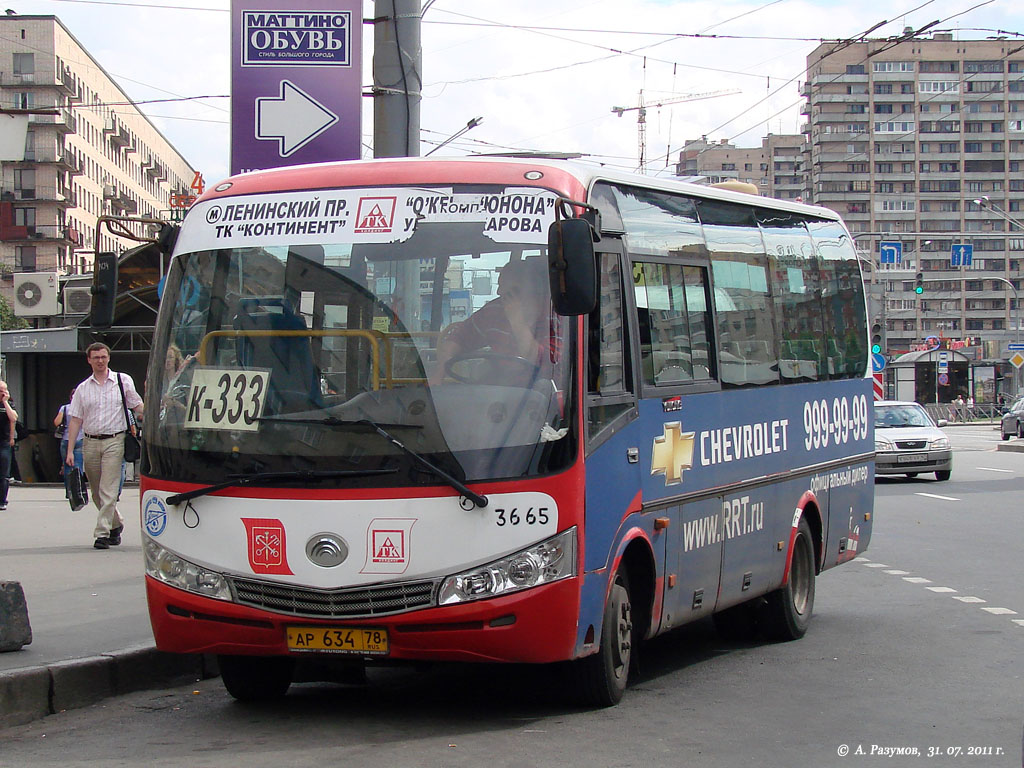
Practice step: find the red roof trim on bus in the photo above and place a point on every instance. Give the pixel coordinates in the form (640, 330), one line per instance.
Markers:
(397, 172)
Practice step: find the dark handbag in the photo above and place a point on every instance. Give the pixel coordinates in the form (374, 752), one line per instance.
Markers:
(132, 446)
(78, 496)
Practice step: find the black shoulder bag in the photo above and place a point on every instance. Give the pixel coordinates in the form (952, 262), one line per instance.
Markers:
(132, 446)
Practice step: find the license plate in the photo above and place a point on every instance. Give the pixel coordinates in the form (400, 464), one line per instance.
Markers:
(362, 640)
(912, 458)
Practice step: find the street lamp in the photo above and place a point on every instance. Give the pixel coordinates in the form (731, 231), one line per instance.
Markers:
(462, 131)
(984, 202)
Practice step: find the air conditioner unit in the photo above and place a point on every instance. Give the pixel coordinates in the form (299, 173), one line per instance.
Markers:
(35, 294)
(77, 299)
(109, 191)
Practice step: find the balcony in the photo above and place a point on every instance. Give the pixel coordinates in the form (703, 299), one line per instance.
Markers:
(64, 121)
(48, 233)
(63, 198)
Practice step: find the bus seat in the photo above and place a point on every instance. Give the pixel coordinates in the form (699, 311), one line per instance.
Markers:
(294, 378)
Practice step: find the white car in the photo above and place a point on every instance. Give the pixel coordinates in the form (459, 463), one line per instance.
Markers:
(908, 442)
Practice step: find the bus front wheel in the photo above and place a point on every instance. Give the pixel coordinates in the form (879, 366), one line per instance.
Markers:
(256, 678)
(602, 678)
(788, 609)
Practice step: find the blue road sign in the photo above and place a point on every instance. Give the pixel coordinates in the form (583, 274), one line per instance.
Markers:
(890, 252)
(877, 362)
(1015, 346)
(961, 255)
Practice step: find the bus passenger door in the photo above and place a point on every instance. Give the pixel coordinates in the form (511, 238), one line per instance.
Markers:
(612, 463)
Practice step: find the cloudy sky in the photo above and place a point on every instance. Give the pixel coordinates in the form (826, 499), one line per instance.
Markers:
(543, 74)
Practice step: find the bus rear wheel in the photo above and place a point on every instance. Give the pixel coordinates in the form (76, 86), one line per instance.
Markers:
(788, 610)
(601, 678)
(256, 678)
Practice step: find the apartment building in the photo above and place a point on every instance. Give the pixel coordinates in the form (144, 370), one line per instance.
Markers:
(903, 140)
(87, 152)
(777, 168)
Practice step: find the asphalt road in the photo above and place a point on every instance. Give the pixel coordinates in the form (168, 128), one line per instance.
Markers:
(919, 644)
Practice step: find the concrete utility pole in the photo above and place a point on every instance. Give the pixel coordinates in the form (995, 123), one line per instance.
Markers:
(397, 79)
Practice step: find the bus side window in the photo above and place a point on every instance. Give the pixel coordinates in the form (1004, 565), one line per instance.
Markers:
(609, 378)
(673, 317)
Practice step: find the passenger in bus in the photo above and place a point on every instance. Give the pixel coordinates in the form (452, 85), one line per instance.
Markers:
(513, 331)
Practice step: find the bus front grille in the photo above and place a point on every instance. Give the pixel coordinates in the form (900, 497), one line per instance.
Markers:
(378, 600)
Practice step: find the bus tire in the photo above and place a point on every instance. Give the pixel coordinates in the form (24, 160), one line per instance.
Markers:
(788, 610)
(256, 678)
(601, 678)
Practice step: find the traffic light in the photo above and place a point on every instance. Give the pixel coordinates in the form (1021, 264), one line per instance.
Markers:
(919, 283)
(876, 338)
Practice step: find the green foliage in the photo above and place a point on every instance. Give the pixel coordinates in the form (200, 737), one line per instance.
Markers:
(8, 320)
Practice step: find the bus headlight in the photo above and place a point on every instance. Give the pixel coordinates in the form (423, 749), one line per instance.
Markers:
(163, 565)
(551, 560)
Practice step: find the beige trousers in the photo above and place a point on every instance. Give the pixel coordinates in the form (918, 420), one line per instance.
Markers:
(103, 459)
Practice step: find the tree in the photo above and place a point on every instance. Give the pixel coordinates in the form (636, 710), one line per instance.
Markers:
(8, 320)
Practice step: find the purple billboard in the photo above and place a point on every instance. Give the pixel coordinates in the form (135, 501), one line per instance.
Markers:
(296, 82)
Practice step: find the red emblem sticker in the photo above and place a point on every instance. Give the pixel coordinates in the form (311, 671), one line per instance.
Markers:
(375, 214)
(387, 546)
(267, 553)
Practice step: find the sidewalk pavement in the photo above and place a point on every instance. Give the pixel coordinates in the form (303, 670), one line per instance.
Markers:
(91, 636)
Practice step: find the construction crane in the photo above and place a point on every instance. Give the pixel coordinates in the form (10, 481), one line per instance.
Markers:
(641, 115)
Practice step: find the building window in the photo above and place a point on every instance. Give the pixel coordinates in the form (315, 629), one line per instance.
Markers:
(25, 258)
(24, 63)
(983, 66)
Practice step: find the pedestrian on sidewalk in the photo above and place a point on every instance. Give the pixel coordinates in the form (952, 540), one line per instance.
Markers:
(60, 421)
(8, 420)
(97, 410)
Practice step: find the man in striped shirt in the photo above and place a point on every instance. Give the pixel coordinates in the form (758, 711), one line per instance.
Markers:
(97, 409)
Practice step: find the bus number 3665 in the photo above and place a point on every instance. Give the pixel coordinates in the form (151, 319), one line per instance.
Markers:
(514, 517)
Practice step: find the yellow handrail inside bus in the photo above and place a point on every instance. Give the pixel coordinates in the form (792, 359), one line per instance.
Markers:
(374, 337)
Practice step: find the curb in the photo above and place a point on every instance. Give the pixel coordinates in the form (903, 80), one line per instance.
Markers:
(31, 693)
(1017, 447)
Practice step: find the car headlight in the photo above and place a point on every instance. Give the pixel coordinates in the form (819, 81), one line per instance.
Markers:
(551, 560)
(942, 442)
(163, 565)
(881, 444)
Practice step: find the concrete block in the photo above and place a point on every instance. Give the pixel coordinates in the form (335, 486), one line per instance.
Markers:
(15, 630)
(80, 682)
(24, 695)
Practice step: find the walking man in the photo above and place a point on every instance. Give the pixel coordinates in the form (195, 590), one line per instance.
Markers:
(96, 408)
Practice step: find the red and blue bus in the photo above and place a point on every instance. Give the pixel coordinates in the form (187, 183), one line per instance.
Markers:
(501, 410)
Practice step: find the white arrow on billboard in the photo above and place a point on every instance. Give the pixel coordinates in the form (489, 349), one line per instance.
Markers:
(294, 118)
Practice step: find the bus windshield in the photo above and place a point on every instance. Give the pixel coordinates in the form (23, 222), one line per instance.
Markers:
(278, 356)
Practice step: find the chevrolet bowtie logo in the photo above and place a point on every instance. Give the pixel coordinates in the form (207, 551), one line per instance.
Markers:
(673, 452)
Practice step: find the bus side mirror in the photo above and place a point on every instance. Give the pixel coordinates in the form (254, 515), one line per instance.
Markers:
(104, 290)
(572, 268)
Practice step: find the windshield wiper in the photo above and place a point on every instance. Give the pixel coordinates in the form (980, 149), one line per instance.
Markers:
(382, 430)
(334, 421)
(476, 498)
(307, 475)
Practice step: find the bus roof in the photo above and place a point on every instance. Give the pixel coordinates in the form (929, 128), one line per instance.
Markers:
(573, 177)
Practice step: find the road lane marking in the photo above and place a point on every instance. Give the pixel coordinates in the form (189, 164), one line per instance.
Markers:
(941, 589)
(1018, 622)
(936, 496)
(896, 572)
(1000, 611)
(993, 469)
(968, 599)
(875, 565)
(920, 580)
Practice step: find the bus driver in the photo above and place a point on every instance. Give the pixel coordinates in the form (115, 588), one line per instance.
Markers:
(516, 326)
